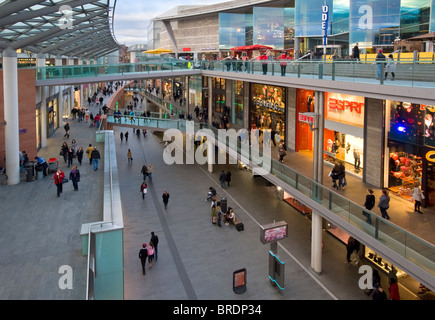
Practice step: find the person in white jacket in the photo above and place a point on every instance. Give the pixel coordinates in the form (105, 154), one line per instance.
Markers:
(417, 196)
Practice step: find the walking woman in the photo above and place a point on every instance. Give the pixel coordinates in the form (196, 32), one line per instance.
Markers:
(150, 248)
(74, 176)
(80, 153)
(417, 196)
(384, 204)
(143, 189)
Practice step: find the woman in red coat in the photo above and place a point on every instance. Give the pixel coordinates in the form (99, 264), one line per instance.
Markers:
(394, 289)
(58, 178)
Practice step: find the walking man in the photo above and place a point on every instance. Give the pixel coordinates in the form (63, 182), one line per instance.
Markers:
(222, 179)
(165, 197)
(143, 255)
(155, 241)
(95, 155)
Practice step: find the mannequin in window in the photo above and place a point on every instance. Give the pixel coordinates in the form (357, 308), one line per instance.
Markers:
(357, 157)
(310, 100)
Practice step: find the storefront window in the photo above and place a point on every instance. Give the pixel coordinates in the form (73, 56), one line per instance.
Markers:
(267, 110)
(411, 139)
(344, 133)
(405, 168)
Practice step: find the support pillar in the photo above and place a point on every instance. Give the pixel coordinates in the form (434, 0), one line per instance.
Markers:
(71, 94)
(58, 63)
(316, 242)
(187, 96)
(210, 151)
(41, 62)
(10, 94)
(317, 220)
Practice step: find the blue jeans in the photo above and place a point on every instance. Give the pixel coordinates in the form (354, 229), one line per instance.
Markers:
(380, 71)
(150, 175)
(95, 163)
(384, 213)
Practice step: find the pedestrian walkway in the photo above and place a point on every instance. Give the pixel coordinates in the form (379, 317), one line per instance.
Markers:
(40, 233)
(196, 258)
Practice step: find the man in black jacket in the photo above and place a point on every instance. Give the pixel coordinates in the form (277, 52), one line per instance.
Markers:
(155, 241)
(95, 156)
(143, 254)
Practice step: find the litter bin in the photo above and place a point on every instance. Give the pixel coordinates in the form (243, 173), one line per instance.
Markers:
(224, 205)
(30, 171)
(53, 164)
(39, 171)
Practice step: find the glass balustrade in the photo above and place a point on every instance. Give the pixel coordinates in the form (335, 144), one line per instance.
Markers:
(408, 73)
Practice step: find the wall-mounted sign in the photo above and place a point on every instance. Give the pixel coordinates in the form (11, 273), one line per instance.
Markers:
(325, 18)
(186, 49)
(269, 105)
(308, 117)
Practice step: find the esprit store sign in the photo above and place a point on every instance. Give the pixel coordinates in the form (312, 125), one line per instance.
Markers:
(343, 105)
(269, 105)
(345, 108)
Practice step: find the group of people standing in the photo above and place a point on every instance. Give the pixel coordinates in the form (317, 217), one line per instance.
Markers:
(225, 179)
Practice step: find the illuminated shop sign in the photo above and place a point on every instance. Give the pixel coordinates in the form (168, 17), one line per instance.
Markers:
(325, 18)
(275, 106)
(345, 108)
(342, 105)
(308, 117)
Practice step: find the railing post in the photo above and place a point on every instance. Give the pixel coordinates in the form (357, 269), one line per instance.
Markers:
(376, 228)
(320, 70)
(333, 70)
(299, 70)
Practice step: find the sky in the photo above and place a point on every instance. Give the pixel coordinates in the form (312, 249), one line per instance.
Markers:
(132, 17)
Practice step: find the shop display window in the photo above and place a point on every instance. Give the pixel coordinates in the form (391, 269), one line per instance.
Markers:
(344, 147)
(383, 264)
(405, 170)
(268, 108)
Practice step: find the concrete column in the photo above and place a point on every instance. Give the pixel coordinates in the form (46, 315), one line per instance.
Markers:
(82, 101)
(59, 63)
(187, 96)
(291, 123)
(210, 151)
(40, 62)
(246, 103)
(210, 101)
(374, 142)
(319, 108)
(316, 242)
(317, 220)
(71, 94)
(10, 94)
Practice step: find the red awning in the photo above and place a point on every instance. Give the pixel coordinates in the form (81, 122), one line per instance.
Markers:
(258, 47)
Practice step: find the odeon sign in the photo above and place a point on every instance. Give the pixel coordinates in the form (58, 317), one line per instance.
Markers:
(269, 105)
